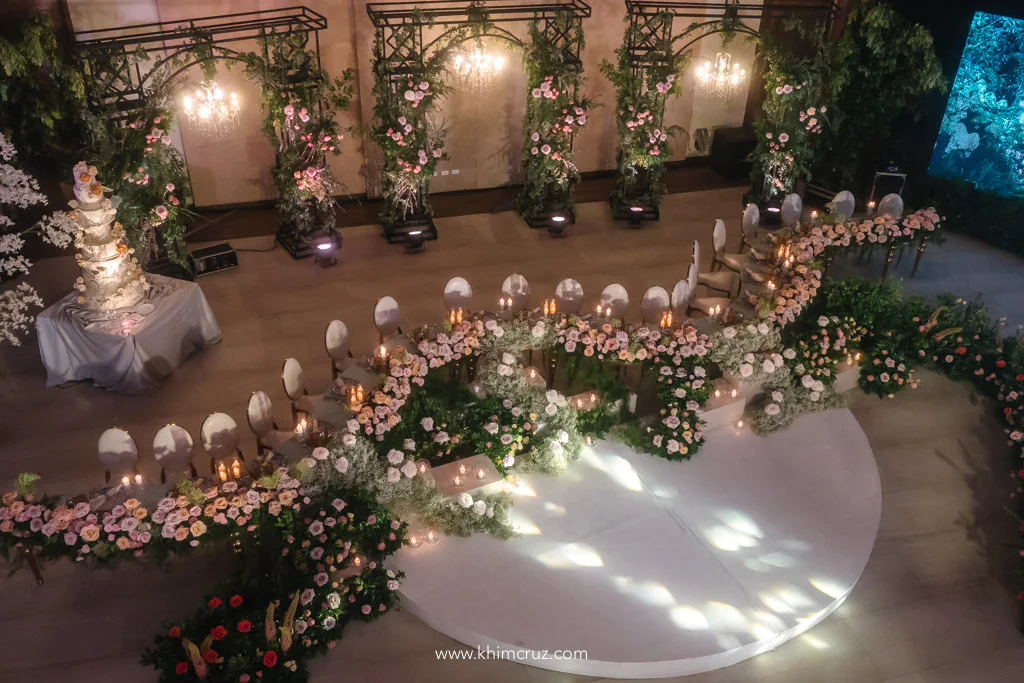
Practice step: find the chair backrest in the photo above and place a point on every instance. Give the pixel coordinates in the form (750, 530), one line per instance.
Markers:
(681, 296)
(695, 257)
(616, 298)
(517, 288)
(751, 219)
(568, 296)
(718, 235)
(891, 205)
(219, 435)
(458, 294)
(386, 315)
(336, 340)
(118, 452)
(173, 448)
(792, 209)
(692, 276)
(292, 379)
(260, 414)
(654, 304)
(844, 204)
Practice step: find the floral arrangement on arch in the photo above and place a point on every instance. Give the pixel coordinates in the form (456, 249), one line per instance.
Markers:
(640, 98)
(555, 113)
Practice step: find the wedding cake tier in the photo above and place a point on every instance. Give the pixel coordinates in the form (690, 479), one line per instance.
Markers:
(111, 276)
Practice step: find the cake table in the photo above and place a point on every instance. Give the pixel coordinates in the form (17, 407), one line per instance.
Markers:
(131, 349)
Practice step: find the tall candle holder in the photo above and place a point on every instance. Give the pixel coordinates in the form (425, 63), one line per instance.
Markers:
(380, 359)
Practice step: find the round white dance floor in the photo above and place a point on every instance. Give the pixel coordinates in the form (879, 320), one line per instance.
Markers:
(658, 568)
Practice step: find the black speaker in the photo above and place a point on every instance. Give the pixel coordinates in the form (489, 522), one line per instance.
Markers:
(212, 259)
(730, 148)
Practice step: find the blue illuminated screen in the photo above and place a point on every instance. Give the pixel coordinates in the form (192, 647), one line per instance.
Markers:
(982, 134)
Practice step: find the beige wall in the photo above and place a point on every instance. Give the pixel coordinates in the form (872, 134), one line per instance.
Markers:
(485, 132)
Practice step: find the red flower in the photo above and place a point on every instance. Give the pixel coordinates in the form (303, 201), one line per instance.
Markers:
(175, 632)
(1020, 596)
(961, 350)
(218, 632)
(235, 600)
(1020, 378)
(181, 668)
(1000, 363)
(210, 656)
(244, 626)
(270, 659)
(1021, 473)
(214, 603)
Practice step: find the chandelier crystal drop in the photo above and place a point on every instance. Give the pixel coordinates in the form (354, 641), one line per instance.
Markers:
(720, 79)
(212, 111)
(477, 68)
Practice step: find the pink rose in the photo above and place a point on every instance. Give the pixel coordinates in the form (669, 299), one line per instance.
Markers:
(161, 212)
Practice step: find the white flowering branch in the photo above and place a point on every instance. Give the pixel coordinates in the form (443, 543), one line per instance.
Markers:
(19, 190)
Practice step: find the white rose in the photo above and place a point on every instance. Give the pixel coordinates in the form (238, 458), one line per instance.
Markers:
(729, 332)
(768, 366)
(409, 469)
(746, 370)
(353, 426)
(551, 395)
(807, 381)
(556, 448)
(551, 409)
(815, 395)
(409, 445)
(508, 359)
(320, 453)
(395, 457)
(348, 439)
(777, 396)
(823, 321)
(465, 500)
(563, 436)
(427, 423)
(509, 461)
(480, 507)
(762, 328)
(772, 409)
(789, 354)
(341, 464)
(393, 475)
(818, 386)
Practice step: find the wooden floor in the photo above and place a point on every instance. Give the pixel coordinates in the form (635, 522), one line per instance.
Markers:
(935, 605)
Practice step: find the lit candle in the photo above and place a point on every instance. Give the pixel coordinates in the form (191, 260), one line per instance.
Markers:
(415, 542)
(236, 469)
(501, 304)
(457, 480)
(717, 393)
(458, 316)
(579, 403)
(423, 466)
(300, 428)
(125, 481)
(138, 479)
(533, 373)
(608, 312)
(451, 316)
(432, 537)
(222, 472)
(814, 215)
(739, 423)
(357, 561)
(734, 393)
(463, 470)
(871, 208)
(481, 473)
(600, 310)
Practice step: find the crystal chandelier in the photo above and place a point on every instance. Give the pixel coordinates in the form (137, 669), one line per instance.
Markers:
(476, 69)
(212, 111)
(720, 79)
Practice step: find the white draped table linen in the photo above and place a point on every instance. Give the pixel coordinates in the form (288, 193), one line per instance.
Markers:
(173, 321)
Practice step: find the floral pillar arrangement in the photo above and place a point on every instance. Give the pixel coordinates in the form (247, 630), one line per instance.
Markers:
(555, 113)
(641, 93)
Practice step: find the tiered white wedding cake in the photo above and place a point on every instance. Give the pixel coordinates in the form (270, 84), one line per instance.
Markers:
(111, 276)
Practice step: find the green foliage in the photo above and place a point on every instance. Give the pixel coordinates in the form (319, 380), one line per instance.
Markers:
(590, 374)
(640, 97)
(555, 112)
(882, 68)
(792, 113)
(41, 96)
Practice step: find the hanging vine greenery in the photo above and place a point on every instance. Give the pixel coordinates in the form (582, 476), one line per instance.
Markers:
(792, 113)
(640, 98)
(555, 112)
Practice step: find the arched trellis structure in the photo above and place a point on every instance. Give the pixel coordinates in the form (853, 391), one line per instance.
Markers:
(119, 63)
(407, 64)
(131, 73)
(655, 46)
